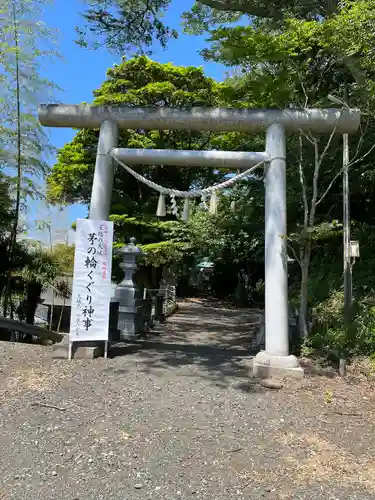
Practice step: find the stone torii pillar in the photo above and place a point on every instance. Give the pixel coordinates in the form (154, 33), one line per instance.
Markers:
(102, 186)
(275, 359)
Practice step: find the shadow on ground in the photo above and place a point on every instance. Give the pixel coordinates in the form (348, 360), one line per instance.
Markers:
(221, 366)
(214, 343)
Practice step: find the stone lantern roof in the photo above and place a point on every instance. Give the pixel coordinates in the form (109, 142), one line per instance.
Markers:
(130, 248)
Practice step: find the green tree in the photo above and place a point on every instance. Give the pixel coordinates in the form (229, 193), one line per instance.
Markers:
(301, 62)
(139, 82)
(63, 255)
(233, 240)
(24, 146)
(143, 82)
(136, 24)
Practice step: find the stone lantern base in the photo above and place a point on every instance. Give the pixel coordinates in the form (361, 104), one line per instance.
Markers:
(130, 322)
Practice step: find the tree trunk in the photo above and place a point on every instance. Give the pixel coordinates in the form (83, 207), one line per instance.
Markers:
(34, 291)
(52, 309)
(14, 231)
(304, 301)
(61, 317)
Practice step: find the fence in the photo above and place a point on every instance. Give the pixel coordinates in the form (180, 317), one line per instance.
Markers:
(17, 327)
(159, 303)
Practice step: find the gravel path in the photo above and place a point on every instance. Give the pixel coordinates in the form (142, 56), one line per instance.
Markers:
(180, 417)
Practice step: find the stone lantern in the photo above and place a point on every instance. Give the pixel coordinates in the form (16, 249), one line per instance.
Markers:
(127, 294)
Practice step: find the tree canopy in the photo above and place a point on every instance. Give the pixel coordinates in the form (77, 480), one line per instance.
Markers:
(139, 82)
(124, 24)
(142, 82)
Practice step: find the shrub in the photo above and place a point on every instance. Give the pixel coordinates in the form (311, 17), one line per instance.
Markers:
(328, 336)
(364, 326)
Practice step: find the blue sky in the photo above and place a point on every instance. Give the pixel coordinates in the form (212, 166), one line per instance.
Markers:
(82, 71)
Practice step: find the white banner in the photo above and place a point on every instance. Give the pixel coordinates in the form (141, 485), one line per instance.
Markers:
(92, 291)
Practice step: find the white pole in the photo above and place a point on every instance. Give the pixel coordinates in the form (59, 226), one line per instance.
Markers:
(101, 193)
(275, 360)
(348, 286)
(276, 273)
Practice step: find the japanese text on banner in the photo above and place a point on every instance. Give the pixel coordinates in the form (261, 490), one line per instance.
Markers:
(92, 280)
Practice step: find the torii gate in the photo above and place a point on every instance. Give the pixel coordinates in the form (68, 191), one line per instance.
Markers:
(275, 359)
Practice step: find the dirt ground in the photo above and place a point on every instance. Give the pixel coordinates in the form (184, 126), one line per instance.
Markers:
(179, 416)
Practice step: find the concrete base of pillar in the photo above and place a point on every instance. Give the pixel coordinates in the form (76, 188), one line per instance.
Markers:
(80, 350)
(267, 365)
